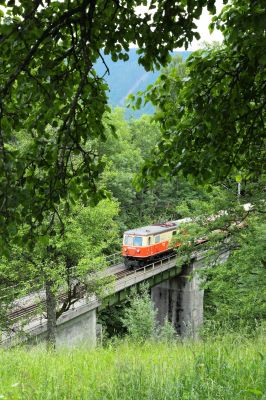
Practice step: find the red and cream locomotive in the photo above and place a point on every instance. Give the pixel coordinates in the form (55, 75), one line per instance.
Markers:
(149, 243)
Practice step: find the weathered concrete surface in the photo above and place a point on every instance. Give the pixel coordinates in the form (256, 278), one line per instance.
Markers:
(73, 328)
(78, 331)
(75, 332)
(180, 299)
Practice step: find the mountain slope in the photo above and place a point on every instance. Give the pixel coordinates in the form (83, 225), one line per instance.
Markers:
(128, 77)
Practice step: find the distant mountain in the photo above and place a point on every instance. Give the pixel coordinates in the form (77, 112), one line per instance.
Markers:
(129, 77)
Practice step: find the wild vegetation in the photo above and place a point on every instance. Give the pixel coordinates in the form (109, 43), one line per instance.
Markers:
(212, 116)
(88, 232)
(228, 368)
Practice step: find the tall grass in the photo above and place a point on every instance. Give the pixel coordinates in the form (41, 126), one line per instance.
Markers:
(230, 368)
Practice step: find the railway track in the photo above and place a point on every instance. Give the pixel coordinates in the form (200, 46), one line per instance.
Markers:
(40, 305)
(31, 309)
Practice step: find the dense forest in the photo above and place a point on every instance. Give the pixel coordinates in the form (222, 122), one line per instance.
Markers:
(85, 234)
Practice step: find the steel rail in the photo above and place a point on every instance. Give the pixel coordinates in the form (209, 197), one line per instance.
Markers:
(30, 310)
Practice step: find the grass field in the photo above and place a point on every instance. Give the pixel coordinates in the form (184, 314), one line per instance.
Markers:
(229, 368)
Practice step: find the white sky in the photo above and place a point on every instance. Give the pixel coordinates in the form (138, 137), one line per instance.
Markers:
(203, 29)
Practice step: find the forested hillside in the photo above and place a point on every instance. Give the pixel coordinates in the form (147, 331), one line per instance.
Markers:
(84, 232)
(127, 78)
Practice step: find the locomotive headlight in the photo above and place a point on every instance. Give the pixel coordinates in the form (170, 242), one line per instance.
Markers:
(138, 250)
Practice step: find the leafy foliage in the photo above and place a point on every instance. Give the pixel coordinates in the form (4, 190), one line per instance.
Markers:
(124, 154)
(57, 152)
(167, 332)
(69, 262)
(139, 318)
(236, 290)
(48, 51)
(213, 119)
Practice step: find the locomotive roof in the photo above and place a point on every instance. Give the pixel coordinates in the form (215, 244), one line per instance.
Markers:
(157, 228)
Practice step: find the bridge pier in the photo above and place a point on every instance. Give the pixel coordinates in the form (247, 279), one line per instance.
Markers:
(71, 330)
(78, 331)
(180, 300)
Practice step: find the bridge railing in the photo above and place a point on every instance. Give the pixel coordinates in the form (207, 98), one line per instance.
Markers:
(145, 272)
(20, 295)
(114, 259)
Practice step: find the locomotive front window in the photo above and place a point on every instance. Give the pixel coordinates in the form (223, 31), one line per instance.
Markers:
(128, 240)
(137, 241)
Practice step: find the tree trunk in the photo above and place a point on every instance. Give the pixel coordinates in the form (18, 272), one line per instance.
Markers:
(51, 315)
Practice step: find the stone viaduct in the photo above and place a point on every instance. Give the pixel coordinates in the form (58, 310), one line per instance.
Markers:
(175, 291)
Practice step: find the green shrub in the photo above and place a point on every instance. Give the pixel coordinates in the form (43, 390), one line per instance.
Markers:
(167, 332)
(140, 316)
